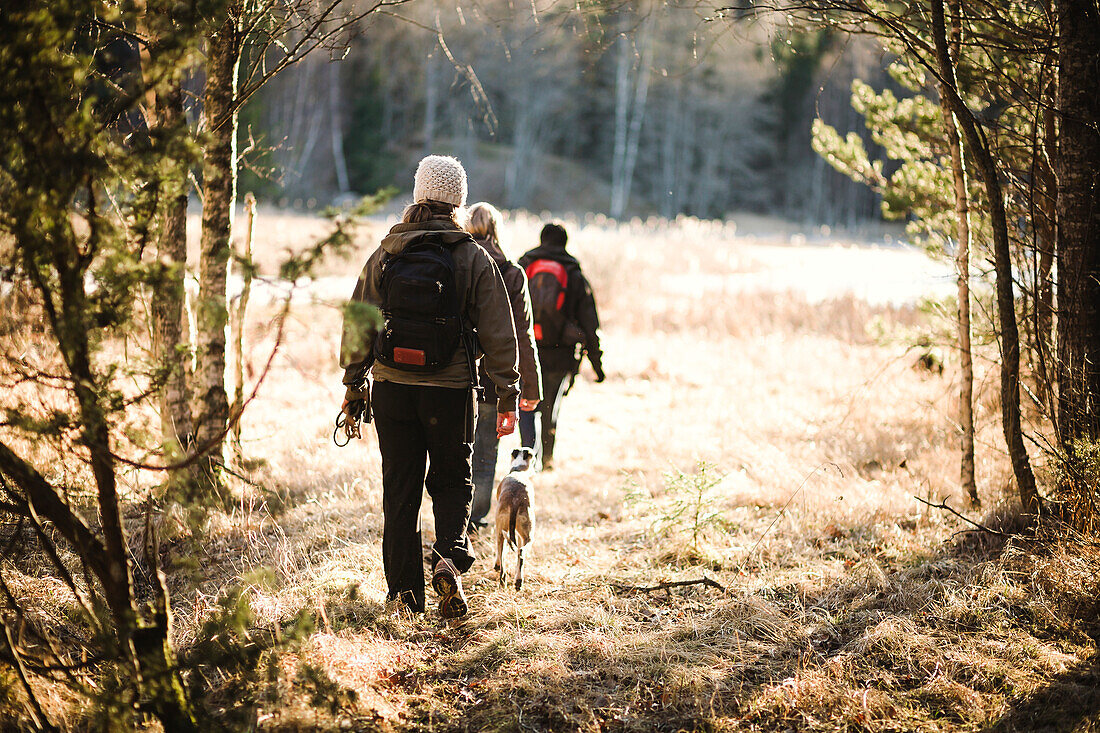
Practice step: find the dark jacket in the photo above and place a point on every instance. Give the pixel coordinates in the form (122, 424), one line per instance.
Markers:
(579, 308)
(485, 307)
(515, 281)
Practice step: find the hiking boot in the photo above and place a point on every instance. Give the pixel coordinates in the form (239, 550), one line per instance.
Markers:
(448, 584)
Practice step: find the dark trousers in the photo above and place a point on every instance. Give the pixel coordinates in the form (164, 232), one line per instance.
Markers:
(421, 426)
(486, 443)
(542, 436)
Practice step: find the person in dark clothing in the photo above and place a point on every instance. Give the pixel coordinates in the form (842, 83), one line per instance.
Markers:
(424, 418)
(567, 328)
(483, 224)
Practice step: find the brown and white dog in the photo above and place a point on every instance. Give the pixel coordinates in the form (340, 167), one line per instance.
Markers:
(514, 518)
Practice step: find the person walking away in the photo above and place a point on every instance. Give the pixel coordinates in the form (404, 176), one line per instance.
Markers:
(440, 296)
(484, 224)
(566, 328)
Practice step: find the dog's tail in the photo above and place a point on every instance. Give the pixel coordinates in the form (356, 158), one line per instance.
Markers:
(512, 526)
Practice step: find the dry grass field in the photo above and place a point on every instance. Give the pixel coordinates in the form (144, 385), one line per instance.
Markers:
(772, 442)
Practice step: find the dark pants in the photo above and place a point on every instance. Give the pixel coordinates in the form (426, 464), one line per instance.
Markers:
(421, 426)
(554, 387)
(486, 443)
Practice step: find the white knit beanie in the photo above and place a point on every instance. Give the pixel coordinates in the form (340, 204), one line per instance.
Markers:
(440, 178)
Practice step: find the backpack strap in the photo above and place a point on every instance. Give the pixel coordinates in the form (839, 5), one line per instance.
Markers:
(469, 339)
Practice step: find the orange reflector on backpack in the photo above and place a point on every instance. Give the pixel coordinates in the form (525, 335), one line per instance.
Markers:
(413, 357)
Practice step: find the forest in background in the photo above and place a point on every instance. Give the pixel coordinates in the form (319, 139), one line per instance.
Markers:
(627, 110)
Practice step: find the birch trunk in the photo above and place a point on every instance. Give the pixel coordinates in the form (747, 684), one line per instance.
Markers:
(219, 198)
(628, 136)
(670, 158)
(962, 267)
(634, 133)
(238, 325)
(335, 119)
(622, 103)
(519, 173)
(430, 104)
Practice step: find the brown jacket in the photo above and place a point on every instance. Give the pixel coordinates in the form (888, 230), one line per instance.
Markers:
(515, 281)
(485, 308)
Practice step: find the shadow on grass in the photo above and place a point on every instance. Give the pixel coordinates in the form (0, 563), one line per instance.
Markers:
(931, 644)
(1069, 702)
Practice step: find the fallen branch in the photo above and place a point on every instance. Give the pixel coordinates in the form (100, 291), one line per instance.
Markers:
(943, 505)
(667, 586)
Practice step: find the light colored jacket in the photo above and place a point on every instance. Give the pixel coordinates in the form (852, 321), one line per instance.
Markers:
(515, 281)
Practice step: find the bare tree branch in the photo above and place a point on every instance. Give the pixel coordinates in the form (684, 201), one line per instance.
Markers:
(667, 585)
(944, 506)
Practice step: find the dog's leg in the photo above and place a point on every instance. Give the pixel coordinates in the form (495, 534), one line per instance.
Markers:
(499, 567)
(519, 565)
(500, 547)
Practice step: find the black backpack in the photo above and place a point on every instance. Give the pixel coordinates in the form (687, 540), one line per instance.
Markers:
(548, 283)
(421, 307)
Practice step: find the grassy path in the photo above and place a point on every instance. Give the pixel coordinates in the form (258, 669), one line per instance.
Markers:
(846, 604)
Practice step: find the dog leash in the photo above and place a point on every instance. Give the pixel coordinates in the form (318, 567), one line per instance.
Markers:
(348, 420)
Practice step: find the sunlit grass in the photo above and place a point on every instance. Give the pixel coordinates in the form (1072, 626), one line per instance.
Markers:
(848, 604)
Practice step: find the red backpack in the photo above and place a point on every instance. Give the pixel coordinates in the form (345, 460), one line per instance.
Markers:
(548, 282)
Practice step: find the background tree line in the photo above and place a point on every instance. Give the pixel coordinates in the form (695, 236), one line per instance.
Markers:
(626, 108)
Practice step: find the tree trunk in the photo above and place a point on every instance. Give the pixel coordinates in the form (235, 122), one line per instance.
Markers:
(628, 134)
(169, 314)
(238, 325)
(161, 682)
(305, 115)
(634, 133)
(163, 113)
(671, 143)
(622, 105)
(520, 173)
(962, 268)
(1048, 235)
(1006, 306)
(430, 104)
(219, 197)
(1078, 232)
(336, 126)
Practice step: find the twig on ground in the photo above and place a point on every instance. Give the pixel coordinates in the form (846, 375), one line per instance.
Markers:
(943, 505)
(667, 585)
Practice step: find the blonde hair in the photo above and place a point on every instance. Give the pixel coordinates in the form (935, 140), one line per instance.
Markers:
(484, 222)
(429, 210)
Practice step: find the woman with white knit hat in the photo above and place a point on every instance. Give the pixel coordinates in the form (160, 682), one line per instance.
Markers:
(443, 306)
